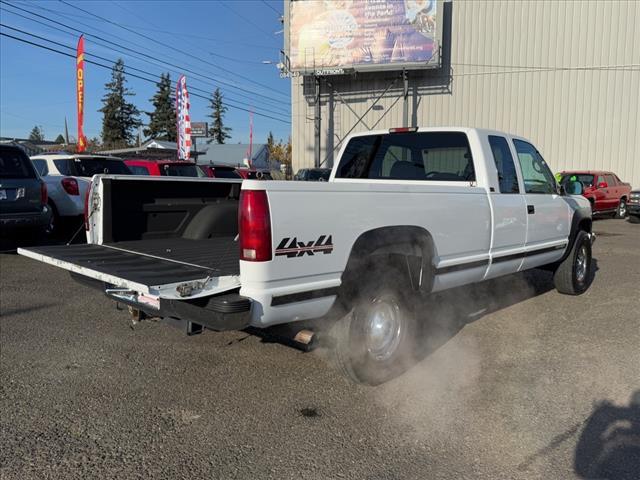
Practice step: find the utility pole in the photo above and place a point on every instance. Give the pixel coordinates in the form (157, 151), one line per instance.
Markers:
(316, 124)
(405, 96)
(66, 131)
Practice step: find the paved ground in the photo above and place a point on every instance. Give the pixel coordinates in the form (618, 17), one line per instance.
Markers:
(532, 385)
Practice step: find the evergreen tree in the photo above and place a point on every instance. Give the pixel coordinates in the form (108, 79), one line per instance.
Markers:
(219, 132)
(270, 142)
(59, 139)
(162, 121)
(37, 134)
(120, 118)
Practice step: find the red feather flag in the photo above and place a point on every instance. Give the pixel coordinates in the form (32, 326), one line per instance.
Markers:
(82, 141)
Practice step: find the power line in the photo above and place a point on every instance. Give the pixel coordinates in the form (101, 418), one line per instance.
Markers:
(112, 61)
(272, 7)
(134, 75)
(112, 46)
(267, 87)
(229, 59)
(121, 47)
(246, 19)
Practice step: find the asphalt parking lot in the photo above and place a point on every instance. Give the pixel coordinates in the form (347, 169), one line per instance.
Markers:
(527, 383)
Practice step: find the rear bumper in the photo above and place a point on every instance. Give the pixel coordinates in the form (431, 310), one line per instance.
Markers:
(17, 221)
(228, 311)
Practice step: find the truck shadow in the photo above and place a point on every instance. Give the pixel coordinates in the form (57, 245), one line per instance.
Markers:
(450, 311)
(609, 444)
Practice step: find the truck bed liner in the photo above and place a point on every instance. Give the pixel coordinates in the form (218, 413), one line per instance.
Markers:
(153, 262)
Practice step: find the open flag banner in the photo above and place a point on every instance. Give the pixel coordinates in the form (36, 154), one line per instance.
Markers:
(82, 141)
(183, 121)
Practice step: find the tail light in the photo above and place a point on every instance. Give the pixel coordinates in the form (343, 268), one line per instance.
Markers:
(70, 186)
(403, 130)
(44, 195)
(86, 208)
(254, 226)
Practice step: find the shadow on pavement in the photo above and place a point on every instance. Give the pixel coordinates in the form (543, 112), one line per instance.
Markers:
(69, 232)
(609, 446)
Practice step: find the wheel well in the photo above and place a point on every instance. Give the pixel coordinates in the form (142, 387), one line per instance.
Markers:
(409, 249)
(585, 224)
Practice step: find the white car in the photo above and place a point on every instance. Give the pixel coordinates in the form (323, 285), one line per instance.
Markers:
(67, 177)
(405, 213)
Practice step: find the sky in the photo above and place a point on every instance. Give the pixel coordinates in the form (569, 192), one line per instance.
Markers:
(214, 43)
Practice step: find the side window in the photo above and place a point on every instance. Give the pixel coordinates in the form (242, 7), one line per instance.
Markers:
(63, 166)
(138, 170)
(41, 166)
(535, 172)
(507, 175)
(610, 180)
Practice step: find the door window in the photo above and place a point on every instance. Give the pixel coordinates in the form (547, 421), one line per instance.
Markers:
(507, 175)
(610, 180)
(536, 174)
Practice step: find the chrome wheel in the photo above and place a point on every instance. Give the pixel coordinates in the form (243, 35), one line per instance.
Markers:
(622, 209)
(581, 264)
(383, 329)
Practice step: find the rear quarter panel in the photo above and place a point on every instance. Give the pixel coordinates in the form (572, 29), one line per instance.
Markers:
(457, 217)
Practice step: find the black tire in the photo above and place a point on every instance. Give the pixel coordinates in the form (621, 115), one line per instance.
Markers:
(633, 219)
(358, 352)
(573, 275)
(621, 211)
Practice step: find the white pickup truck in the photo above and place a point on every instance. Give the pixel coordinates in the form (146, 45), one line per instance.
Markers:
(405, 213)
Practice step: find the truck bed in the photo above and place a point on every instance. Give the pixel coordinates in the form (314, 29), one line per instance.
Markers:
(152, 262)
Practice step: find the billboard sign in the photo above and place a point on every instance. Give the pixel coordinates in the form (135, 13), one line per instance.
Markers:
(332, 37)
(199, 129)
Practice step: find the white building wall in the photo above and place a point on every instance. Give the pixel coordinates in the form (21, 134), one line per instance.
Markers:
(581, 109)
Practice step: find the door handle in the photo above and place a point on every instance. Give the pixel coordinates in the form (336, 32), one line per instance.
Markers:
(531, 209)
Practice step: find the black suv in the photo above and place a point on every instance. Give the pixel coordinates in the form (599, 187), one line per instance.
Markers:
(23, 194)
(633, 206)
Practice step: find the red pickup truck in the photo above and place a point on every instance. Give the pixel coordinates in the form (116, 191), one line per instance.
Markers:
(606, 192)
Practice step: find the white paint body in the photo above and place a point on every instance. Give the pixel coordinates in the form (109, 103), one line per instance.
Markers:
(468, 222)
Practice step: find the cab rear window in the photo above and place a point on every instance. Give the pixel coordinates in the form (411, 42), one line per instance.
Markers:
(15, 164)
(427, 156)
(174, 170)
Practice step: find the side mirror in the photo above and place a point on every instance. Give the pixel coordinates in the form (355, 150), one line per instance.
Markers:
(573, 188)
(603, 185)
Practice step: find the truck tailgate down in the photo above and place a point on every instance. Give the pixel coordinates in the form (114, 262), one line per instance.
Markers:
(171, 268)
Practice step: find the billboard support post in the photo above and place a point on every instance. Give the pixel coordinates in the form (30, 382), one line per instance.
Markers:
(405, 98)
(316, 123)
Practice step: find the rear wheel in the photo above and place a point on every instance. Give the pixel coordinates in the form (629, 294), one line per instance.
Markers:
(573, 275)
(633, 219)
(621, 212)
(375, 342)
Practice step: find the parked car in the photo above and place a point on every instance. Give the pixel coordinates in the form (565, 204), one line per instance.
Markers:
(254, 174)
(406, 213)
(220, 171)
(23, 194)
(633, 206)
(313, 174)
(169, 168)
(606, 192)
(67, 176)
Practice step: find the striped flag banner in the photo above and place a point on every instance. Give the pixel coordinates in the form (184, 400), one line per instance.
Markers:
(183, 121)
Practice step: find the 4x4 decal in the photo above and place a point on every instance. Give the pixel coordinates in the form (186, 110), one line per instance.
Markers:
(291, 247)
